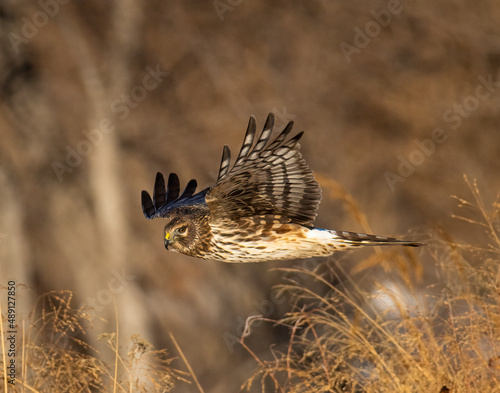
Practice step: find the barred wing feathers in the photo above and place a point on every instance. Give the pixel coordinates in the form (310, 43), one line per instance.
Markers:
(265, 180)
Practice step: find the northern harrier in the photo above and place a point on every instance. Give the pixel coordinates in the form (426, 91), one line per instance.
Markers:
(261, 209)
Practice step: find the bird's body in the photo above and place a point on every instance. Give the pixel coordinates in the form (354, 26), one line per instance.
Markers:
(272, 238)
(261, 209)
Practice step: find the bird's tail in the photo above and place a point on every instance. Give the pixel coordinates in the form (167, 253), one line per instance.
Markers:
(343, 239)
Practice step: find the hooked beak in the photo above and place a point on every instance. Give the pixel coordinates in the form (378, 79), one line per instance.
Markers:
(167, 239)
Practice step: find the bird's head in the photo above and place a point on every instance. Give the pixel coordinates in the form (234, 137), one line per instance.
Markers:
(179, 235)
(185, 232)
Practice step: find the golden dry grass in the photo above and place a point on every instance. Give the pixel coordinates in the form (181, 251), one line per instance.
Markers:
(56, 357)
(342, 336)
(359, 118)
(340, 341)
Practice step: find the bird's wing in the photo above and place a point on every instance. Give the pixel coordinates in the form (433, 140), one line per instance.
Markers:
(165, 200)
(272, 179)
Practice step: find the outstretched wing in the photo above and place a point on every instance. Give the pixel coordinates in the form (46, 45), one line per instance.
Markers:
(265, 180)
(166, 200)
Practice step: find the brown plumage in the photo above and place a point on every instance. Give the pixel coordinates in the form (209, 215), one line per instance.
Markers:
(262, 208)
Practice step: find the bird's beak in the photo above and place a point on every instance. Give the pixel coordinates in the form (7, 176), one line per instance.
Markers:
(167, 239)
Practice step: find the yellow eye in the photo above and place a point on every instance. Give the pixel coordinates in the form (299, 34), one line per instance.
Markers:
(182, 230)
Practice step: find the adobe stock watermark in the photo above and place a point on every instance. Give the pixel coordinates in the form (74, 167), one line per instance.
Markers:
(31, 26)
(223, 6)
(264, 309)
(121, 107)
(453, 116)
(371, 30)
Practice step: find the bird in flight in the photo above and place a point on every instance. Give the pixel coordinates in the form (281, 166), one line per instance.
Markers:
(261, 209)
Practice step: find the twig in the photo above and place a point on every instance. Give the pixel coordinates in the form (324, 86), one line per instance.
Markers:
(178, 348)
(261, 364)
(322, 352)
(23, 356)
(116, 347)
(292, 337)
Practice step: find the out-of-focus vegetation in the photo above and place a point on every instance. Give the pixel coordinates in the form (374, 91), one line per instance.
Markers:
(97, 96)
(344, 338)
(55, 356)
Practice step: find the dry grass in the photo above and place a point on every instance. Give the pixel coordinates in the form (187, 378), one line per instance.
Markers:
(281, 56)
(343, 337)
(56, 358)
(341, 340)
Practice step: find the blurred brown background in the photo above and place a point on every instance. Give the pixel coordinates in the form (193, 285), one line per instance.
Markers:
(369, 82)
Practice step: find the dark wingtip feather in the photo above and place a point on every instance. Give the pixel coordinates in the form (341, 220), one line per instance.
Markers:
(159, 204)
(173, 188)
(415, 244)
(147, 205)
(247, 142)
(159, 193)
(190, 189)
(288, 127)
(252, 123)
(269, 121)
(224, 162)
(281, 137)
(295, 139)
